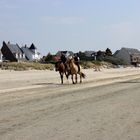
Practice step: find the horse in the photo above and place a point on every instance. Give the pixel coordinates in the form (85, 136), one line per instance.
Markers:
(59, 66)
(75, 71)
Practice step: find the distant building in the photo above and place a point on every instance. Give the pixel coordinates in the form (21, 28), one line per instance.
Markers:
(128, 55)
(28, 53)
(89, 53)
(66, 53)
(12, 52)
(135, 58)
(31, 53)
(100, 55)
(37, 55)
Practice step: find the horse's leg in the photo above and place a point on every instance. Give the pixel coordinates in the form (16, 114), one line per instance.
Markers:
(72, 79)
(80, 78)
(61, 75)
(62, 78)
(67, 75)
(76, 78)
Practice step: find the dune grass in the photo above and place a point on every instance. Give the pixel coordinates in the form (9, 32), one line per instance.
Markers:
(19, 66)
(93, 64)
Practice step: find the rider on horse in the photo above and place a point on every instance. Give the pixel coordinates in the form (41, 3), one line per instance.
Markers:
(63, 58)
(77, 60)
(64, 61)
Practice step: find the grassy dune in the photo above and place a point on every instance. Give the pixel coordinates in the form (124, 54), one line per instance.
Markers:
(19, 66)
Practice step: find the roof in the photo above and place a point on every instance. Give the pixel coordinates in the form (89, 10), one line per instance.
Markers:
(32, 47)
(131, 50)
(64, 52)
(116, 52)
(26, 50)
(128, 50)
(14, 48)
(89, 53)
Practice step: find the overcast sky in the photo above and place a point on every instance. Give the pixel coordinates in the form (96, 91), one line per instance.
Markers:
(75, 25)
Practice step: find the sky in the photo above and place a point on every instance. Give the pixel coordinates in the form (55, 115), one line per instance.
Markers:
(73, 25)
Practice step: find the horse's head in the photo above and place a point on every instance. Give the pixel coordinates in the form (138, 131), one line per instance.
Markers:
(71, 60)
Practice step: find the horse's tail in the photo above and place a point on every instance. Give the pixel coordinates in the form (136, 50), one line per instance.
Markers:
(83, 75)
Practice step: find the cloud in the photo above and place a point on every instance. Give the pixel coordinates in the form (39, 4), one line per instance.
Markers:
(63, 20)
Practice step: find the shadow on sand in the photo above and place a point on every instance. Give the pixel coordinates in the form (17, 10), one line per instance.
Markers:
(51, 84)
(131, 82)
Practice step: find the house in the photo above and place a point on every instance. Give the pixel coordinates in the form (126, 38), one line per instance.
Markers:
(128, 55)
(28, 53)
(100, 55)
(36, 55)
(66, 53)
(1, 56)
(91, 54)
(31, 53)
(12, 52)
(135, 58)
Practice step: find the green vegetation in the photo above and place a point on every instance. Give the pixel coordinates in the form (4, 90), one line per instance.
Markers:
(19, 66)
(114, 60)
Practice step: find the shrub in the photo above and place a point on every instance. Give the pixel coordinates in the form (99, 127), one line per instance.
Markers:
(114, 60)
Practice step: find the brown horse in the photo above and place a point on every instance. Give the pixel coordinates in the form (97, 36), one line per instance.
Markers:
(75, 71)
(59, 66)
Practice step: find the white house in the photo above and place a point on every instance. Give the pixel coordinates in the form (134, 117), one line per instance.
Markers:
(31, 53)
(37, 55)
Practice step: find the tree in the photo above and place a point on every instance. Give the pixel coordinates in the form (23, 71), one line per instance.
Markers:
(100, 55)
(81, 55)
(108, 52)
(49, 57)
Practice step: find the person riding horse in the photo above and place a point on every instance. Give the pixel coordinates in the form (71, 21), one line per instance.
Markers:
(77, 60)
(63, 59)
(69, 66)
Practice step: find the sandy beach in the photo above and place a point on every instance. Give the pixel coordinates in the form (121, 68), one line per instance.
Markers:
(34, 105)
(14, 80)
